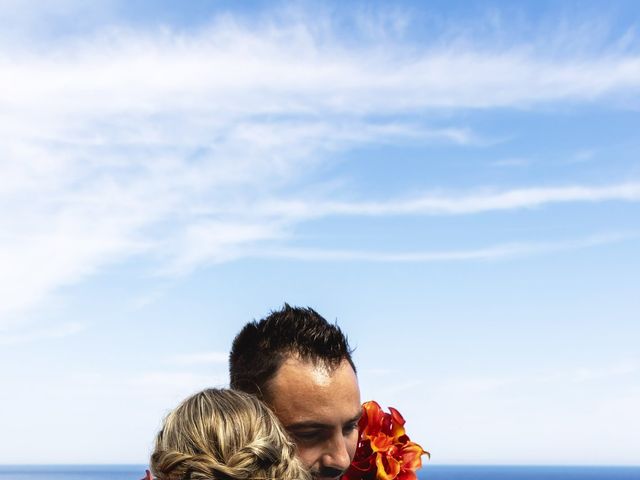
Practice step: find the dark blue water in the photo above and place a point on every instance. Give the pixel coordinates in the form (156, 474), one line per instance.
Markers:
(72, 472)
(430, 472)
(528, 473)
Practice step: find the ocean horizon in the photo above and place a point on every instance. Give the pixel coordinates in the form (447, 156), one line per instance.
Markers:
(429, 472)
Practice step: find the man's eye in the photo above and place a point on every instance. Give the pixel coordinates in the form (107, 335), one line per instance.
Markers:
(306, 436)
(351, 427)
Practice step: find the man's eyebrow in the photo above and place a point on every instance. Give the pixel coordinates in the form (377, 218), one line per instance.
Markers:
(307, 424)
(356, 418)
(314, 424)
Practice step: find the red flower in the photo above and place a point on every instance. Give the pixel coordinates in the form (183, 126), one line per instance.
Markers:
(384, 450)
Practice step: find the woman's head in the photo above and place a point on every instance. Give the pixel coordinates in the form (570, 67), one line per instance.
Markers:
(224, 435)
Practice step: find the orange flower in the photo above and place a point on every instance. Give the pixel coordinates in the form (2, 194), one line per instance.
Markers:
(384, 450)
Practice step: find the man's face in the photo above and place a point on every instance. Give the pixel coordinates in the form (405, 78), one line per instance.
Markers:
(320, 409)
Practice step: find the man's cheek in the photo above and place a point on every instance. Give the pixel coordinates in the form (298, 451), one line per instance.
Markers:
(307, 456)
(352, 443)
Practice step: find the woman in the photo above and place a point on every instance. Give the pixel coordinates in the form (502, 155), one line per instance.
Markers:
(222, 434)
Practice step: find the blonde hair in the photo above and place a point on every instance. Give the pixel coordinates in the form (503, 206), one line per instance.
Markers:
(222, 434)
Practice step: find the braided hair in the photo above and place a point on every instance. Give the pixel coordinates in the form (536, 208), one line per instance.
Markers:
(220, 434)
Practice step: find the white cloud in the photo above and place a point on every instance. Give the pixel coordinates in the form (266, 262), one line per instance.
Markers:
(584, 155)
(605, 370)
(215, 242)
(465, 203)
(611, 370)
(471, 386)
(496, 252)
(26, 335)
(511, 162)
(200, 358)
(103, 406)
(588, 374)
(289, 68)
(180, 145)
(175, 382)
(376, 372)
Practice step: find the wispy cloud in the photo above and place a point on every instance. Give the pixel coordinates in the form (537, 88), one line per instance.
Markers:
(593, 373)
(465, 203)
(180, 146)
(401, 387)
(511, 162)
(376, 372)
(26, 335)
(290, 68)
(475, 385)
(175, 381)
(588, 373)
(200, 358)
(621, 369)
(584, 155)
(497, 252)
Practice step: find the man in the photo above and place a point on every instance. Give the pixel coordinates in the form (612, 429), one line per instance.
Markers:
(301, 366)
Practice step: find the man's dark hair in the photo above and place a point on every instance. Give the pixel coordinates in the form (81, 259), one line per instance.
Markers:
(262, 346)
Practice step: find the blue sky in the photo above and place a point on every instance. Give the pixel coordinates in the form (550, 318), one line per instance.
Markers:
(456, 183)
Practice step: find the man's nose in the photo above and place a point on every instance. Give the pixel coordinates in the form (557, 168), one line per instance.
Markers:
(337, 455)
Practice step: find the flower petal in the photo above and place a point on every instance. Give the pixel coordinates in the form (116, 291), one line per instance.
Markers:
(388, 467)
(397, 423)
(381, 443)
(384, 450)
(411, 454)
(407, 475)
(372, 419)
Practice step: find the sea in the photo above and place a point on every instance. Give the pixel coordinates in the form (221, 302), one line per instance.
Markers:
(434, 472)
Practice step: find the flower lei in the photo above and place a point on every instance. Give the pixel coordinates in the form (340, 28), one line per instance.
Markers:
(384, 450)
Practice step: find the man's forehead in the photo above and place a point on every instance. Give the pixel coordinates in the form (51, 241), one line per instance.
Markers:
(303, 391)
(318, 370)
(295, 371)
(294, 359)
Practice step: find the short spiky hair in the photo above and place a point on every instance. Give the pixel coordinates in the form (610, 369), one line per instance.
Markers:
(262, 346)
